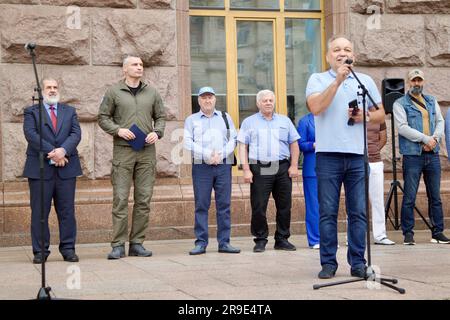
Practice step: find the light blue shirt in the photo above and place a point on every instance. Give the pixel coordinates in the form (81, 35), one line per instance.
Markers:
(203, 135)
(268, 140)
(47, 108)
(332, 132)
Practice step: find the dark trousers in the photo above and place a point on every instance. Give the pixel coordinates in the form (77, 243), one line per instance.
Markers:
(272, 178)
(62, 191)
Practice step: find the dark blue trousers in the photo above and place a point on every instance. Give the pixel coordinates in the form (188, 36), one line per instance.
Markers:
(413, 167)
(205, 178)
(62, 191)
(334, 170)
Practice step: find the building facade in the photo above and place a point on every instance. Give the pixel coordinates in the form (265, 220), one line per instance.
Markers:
(237, 46)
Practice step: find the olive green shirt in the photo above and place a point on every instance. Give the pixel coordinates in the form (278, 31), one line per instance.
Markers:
(121, 109)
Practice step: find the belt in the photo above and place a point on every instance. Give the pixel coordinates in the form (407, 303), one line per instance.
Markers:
(198, 161)
(268, 163)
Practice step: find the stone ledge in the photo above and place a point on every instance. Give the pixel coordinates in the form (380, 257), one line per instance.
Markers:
(16, 194)
(172, 212)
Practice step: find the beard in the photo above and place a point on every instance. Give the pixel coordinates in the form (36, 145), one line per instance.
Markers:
(416, 90)
(50, 100)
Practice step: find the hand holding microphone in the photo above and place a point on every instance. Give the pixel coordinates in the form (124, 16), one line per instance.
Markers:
(344, 70)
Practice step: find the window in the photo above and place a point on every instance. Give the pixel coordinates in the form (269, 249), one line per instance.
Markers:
(213, 4)
(242, 46)
(208, 62)
(302, 60)
(254, 4)
(302, 4)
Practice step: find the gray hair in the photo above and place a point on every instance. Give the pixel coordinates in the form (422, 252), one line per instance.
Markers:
(128, 56)
(261, 94)
(337, 36)
(47, 79)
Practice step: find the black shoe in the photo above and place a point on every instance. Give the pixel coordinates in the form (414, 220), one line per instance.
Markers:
(117, 253)
(228, 248)
(440, 238)
(37, 259)
(359, 272)
(327, 272)
(71, 257)
(284, 245)
(260, 246)
(409, 239)
(138, 250)
(199, 249)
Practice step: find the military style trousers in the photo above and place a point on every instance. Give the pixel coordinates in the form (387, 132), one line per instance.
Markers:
(138, 167)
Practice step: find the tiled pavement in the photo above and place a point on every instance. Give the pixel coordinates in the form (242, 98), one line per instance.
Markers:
(172, 274)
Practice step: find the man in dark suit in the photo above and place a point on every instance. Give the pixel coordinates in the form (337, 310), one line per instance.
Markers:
(61, 134)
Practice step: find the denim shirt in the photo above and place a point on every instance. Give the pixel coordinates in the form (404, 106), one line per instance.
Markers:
(415, 121)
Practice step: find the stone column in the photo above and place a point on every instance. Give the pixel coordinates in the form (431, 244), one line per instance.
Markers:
(336, 17)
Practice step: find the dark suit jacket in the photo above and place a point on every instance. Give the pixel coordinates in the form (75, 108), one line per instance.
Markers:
(68, 135)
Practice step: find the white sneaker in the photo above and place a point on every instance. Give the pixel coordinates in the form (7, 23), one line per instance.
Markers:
(316, 246)
(385, 241)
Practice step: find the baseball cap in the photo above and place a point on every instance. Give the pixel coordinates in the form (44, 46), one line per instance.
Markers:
(416, 73)
(204, 90)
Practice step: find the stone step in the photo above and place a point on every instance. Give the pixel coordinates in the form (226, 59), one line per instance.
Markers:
(172, 211)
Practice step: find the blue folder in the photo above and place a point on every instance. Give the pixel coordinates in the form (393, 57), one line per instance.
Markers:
(139, 142)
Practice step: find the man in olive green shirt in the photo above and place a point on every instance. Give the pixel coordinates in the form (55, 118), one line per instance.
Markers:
(127, 103)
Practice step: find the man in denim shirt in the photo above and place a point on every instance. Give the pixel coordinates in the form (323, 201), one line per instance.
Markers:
(420, 126)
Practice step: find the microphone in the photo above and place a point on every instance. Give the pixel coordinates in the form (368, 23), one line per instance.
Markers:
(30, 46)
(348, 61)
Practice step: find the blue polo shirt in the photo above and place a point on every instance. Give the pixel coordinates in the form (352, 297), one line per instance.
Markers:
(332, 132)
(203, 135)
(268, 140)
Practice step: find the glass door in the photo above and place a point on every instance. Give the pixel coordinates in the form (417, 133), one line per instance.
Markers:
(255, 57)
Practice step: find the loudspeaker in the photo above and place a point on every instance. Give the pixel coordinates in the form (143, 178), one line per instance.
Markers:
(392, 89)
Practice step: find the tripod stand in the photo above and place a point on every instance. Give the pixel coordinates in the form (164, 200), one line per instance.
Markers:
(392, 194)
(44, 292)
(370, 274)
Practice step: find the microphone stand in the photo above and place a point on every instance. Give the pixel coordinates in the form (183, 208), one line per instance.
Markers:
(44, 292)
(370, 274)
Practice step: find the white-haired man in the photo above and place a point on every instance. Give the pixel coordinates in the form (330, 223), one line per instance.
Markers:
(269, 152)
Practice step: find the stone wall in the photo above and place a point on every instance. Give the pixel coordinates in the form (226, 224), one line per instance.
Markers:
(392, 37)
(82, 44)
